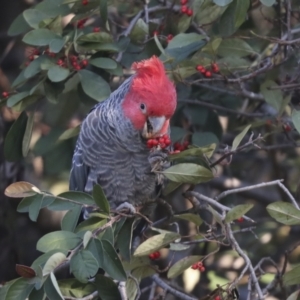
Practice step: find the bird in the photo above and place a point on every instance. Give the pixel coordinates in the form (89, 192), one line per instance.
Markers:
(111, 148)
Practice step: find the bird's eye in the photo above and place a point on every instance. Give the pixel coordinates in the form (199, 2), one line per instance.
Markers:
(143, 107)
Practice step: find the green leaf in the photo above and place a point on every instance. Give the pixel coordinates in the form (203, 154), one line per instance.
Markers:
(296, 119)
(19, 289)
(71, 287)
(237, 140)
(69, 133)
(171, 187)
(178, 247)
(70, 219)
(24, 103)
(27, 134)
(83, 265)
(37, 294)
(104, 63)
(124, 239)
(241, 10)
(139, 31)
(191, 218)
(182, 265)
(52, 289)
(80, 197)
(222, 2)
(204, 138)
(57, 44)
(107, 289)
(292, 277)
(18, 26)
(53, 262)
(94, 85)
(57, 73)
(90, 224)
(87, 237)
(14, 99)
(237, 212)
(234, 47)
(268, 2)
(53, 8)
(53, 90)
(273, 97)
(284, 213)
(100, 199)
(14, 139)
(41, 260)
(103, 11)
(64, 240)
(21, 189)
(155, 243)
(39, 37)
(184, 23)
(188, 173)
(159, 45)
(33, 17)
(96, 37)
(206, 12)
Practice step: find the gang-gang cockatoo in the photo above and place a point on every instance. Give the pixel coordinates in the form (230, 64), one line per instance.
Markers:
(112, 146)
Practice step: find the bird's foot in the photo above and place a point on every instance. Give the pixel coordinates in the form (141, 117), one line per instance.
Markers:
(126, 206)
(159, 162)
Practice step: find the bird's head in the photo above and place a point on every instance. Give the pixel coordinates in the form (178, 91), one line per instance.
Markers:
(151, 100)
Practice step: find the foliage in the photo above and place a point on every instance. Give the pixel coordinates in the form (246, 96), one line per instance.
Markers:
(78, 53)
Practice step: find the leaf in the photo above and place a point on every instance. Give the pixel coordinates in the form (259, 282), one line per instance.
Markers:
(64, 240)
(14, 139)
(171, 187)
(70, 219)
(178, 247)
(100, 199)
(296, 119)
(237, 140)
(14, 99)
(103, 11)
(292, 277)
(94, 85)
(294, 296)
(124, 239)
(222, 2)
(24, 271)
(86, 238)
(53, 262)
(155, 243)
(237, 212)
(234, 47)
(191, 218)
(27, 134)
(204, 138)
(159, 45)
(18, 26)
(57, 73)
(273, 97)
(284, 213)
(104, 63)
(206, 14)
(107, 289)
(19, 289)
(188, 173)
(96, 37)
(241, 10)
(71, 287)
(37, 294)
(70, 133)
(24, 103)
(139, 31)
(41, 260)
(52, 289)
(21, 189)
(39, 37)
(57, 44)
(182, 265)
(111, 262)
(184, 23)
(90, 224)
(33, 17)
(268, 2)
(83, 265)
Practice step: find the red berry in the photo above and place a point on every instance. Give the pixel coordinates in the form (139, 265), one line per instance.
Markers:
(184, 9)
(207, 74)
(5, 94)
(161, 140)
(214, 65)
(162, 145)
(31, 57)
(155, 143)
(194, 266)
(36, 52)
(169, 37)
(150, 143)
(85, 2)
(189, 12)
(217, 298)
(96, 29)
(168, 142)
(202, 269)
(27, 63)
(176, 146)
(155, 32)
(157, 254)
(183, 2)
(200, 68)
(85, 62)
(151, 256)
(74, 64)
(240, 220)
(73, 58)
(77, 68)
(200, 264)
(287, 127)
(51, 54)
(60, 62)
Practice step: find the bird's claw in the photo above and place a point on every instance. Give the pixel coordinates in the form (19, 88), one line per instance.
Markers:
(127, 206)
(158, 161)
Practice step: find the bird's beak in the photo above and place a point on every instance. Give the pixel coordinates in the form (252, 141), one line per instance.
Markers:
(154, 127)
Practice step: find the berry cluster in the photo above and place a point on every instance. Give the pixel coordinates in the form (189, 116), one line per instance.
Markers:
(181, 147)
(77, 64)
(185, 9)
(163, 142)
(217, 298)
(80, 23)
(208, 73)
(198, 266)
(154, 255)
(85, 2)
(240, 220)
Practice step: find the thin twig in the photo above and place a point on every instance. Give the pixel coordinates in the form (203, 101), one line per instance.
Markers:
(293, 200)
(89, 297)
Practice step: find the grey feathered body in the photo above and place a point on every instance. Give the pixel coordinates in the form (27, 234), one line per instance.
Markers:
(111, 152)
